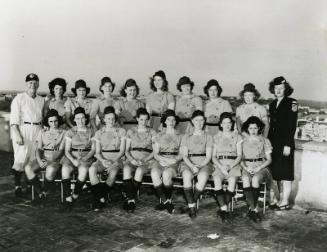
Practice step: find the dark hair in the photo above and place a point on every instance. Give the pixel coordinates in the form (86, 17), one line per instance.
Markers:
(249, 87)
(142, 111)
(161, 74)
(166, 114)
(198, 113)
(210, 84)
(278, 81)
(52, 113)
(80, 110)
(81, 84)
(105, 80)
(225, 115)
(184, 80)
(110, 110)
(129, 83)
(57, 81)
(253, 120)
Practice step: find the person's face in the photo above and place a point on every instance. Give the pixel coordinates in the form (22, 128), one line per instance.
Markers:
(80, 120)
(81, 92)
(53, 122)
(58, 91)
(32, 86)
(186, 89)
(198, 122)
(131, 92)
(158, 82)
(170, 122)
(279, 90)
(253, 129)
(107, 88)
(248, 97)
(213, 92)
(109, 119)
(226, 124)
(142, 120)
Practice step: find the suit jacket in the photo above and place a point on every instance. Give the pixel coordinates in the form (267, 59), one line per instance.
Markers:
(283, 121)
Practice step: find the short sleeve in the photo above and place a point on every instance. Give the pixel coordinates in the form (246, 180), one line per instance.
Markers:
(239, 139)
(122, 133)
(129, 134)
(209, 142)
(198, 103)
(263, 113)
(170, 98)
(228, 107)
(97, 136)
(67, 106)
(15, 111)
(118, 107)
(267, 146)
(95, 108)
(238, 110)
(69, 135)
(184, 141)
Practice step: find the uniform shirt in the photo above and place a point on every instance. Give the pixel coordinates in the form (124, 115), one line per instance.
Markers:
(227, 145)
(185, 106)
(197, 144)
(127, 109)
(53, 139)
(214, 108)
(143, 139)
(57, 105)
(244, 111)
(100, 104)
(110, 140)
(168, 142)
(158, 102)
(71, 104)
(255, 148)
(26, 109)
(80, 139)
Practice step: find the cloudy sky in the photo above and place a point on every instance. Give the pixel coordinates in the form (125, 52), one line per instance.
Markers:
(232, 41)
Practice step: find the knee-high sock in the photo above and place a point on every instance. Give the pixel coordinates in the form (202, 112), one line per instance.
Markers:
(189, 195)
(66, 187)
(197, 194)
(168, 190)
(36, 184)
(137, 186)
(228, 196)
(96, 191)
(17, 177)
(256, 193)
(78, 187)
(129, 188)
(249, 197)
(219, 194)
(160, 192)
(48, 185)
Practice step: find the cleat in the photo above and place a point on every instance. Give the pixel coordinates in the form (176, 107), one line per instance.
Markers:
(160, 207)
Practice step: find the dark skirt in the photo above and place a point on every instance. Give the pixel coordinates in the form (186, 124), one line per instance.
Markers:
(282, 167)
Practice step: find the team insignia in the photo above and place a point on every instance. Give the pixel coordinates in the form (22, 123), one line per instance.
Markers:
(294, 107)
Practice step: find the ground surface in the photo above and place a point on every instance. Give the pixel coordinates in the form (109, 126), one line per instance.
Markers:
(24, 227)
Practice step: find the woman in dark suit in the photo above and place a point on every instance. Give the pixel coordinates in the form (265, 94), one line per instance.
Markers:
(283, 118)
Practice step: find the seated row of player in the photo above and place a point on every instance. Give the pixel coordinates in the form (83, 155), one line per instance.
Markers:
(165, 155)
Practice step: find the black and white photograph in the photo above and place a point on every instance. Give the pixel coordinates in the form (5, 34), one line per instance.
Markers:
(151, 125)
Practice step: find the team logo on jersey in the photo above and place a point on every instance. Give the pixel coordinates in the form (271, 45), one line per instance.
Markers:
(294, 106)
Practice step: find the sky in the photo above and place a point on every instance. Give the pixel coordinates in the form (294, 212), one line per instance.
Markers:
(235, 42)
